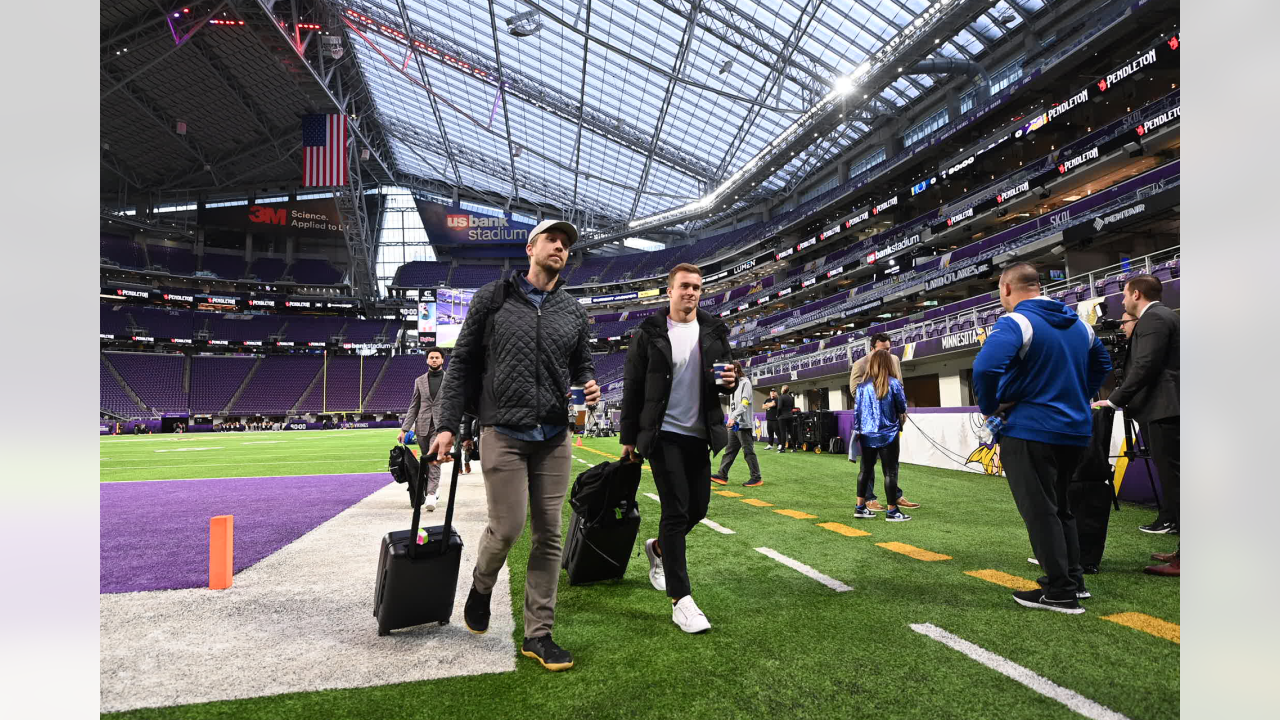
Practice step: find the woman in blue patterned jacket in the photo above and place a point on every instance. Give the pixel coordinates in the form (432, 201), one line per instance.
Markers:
(880, 408)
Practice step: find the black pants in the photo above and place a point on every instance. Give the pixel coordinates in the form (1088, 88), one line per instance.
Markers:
(888, 456)
(791, 431)
(1039, 475)
(682, 471)
(771, 427)
(1162, 441)
(740, 440)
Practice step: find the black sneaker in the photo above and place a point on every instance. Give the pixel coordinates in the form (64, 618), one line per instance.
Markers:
(753, 483)
(1038, 600)
(476, 612)
(546, 651)
(1160, 528)
(1081, 594)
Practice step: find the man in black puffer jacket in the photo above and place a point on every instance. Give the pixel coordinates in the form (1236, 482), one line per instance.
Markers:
(523, 344)
(671, 414)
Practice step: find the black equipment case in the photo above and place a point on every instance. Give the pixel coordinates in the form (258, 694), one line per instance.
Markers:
(604, 523)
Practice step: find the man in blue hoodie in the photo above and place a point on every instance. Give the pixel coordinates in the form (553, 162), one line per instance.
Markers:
(1038, 368)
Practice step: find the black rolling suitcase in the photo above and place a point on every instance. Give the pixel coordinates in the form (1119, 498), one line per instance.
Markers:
(604, 523)
(416, 583)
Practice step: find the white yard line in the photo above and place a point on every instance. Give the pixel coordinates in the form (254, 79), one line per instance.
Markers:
(215, 447)
(805, 569)
(1010, 669)
(717, 527)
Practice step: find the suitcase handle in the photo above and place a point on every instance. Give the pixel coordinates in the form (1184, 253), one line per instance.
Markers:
(418, 495)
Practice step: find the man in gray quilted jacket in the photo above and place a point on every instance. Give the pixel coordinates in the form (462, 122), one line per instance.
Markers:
(523, 344)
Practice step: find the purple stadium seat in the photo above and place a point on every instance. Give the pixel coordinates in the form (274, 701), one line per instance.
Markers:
(215, 378)
(422, 273)
(394, 391)
(155, 378)
(230, 267)
(278, 384)
(267, 269)
(111, 396)
(309, 271)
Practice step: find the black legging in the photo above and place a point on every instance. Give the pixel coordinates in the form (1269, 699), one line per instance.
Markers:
(888, 455)
(774, 431)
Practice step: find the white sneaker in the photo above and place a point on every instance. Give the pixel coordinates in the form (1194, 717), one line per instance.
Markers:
(657, 575)
(768, 447)
(431, 503)
(686, 614)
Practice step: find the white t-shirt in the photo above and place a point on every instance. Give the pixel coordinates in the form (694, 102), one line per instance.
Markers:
(686, 387)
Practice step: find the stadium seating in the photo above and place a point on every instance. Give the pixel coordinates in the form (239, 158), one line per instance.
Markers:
(474, 276)
(173, 260)
(395, 389)
(122, 251)
(240, 327)
(114, 320)
(112, 397)
(215, 378)
(422, 273)
(314, 272)
(365, 331)
(267, 269)
(228, 267)
(343, 382)
(308, 328)
(278, 384)
(159, 323)
(156, 379)
(609, 366)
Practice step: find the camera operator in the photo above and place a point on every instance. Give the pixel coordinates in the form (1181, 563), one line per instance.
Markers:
(1148, 388)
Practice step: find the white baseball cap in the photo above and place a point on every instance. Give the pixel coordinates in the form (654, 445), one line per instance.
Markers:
(562, 225)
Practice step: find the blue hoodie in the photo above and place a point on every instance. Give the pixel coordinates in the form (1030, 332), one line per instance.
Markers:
(1044, 358)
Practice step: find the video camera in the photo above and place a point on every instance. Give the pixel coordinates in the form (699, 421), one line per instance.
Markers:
(1111, 333)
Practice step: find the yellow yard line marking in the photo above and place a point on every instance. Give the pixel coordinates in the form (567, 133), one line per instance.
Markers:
(1002, 578)
(605, 454)
(757, 503)
(1147, 624)
(843, 529)
(913, 551)
(727, 493)
(796, 514)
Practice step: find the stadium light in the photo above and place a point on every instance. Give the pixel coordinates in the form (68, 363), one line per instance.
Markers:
(844, 85)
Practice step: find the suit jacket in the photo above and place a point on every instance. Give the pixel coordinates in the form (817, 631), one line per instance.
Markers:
(1150, 388)
(858, 373)
(425, 412)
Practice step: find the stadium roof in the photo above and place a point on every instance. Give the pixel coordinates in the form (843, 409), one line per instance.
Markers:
(620, 109)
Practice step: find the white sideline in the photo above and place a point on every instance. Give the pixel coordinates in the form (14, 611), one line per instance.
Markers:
(709, 523)
(805, 570)
(1010, 669)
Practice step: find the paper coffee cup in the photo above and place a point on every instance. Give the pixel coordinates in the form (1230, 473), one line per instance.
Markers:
(720, 368)
(579, 398)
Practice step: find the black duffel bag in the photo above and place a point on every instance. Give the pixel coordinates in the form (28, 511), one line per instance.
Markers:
(403, 466)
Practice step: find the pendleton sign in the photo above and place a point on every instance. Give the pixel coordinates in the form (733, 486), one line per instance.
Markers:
(303, 218)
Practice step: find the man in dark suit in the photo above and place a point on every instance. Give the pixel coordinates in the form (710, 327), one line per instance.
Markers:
(1149, 390)
(424, 416)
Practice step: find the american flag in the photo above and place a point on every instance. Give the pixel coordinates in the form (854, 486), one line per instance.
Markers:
(324, 148)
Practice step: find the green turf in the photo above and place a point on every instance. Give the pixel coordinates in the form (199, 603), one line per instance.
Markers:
(781, 643)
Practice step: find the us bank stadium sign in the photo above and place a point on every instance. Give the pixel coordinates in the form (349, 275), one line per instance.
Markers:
(454, 226)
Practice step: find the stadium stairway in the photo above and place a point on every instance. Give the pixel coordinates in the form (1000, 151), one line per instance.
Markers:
(186, 378)
(307, 393)
(121, 382)
(244, 384)
(374, 387)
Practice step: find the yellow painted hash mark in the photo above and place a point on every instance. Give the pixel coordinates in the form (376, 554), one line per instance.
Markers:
(796, 514)
(843, 529)
(611, 457)
(757, 503)
(913, 551)
(728, 493)
(1147, 624)
(1001, 578)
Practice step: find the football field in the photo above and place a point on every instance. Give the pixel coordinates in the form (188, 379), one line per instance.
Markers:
(814, 613)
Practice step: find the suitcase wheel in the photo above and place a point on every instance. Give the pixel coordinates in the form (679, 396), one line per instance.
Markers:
(805, 447)
(818, 450)
(444, 622)
(382, 631)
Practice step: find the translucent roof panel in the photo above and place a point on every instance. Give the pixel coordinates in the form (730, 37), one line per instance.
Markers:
(623, 108)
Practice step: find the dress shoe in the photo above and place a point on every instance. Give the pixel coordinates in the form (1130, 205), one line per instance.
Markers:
(1164, 557)
(1169, 569)
(875, 505)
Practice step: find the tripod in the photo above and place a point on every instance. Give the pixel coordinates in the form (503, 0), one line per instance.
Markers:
(1136, 447)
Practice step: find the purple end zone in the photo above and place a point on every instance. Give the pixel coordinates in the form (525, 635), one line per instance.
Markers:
(155, 535)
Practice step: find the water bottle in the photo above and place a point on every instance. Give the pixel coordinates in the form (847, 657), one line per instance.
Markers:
(990, 430)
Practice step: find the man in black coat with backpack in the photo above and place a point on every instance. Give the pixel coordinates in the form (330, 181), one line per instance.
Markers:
(671, 414)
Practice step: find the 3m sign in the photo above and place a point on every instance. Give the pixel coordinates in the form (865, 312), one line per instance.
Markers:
(268, 216)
